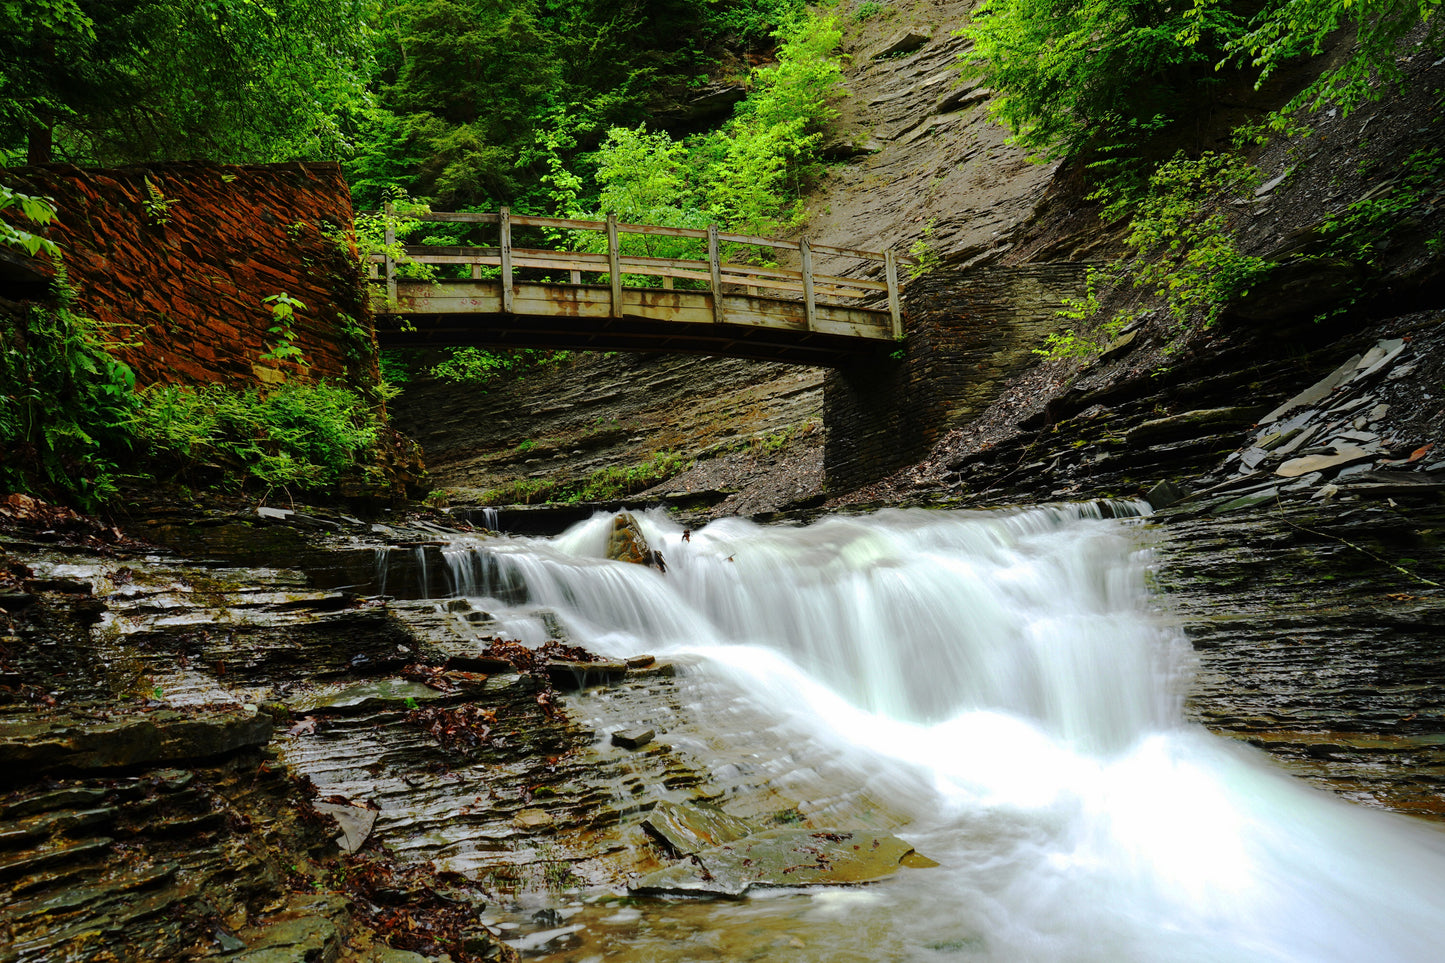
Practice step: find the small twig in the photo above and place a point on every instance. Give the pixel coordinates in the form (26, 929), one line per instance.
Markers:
(1344, 541)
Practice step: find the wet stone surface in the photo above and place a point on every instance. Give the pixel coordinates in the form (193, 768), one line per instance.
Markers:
(1317, 635)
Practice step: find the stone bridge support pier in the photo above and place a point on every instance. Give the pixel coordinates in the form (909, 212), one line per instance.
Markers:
(968, 333)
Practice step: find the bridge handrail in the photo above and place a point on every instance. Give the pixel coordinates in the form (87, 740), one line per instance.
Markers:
(714, 271)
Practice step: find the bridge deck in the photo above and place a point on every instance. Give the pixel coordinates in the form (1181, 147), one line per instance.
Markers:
(723, 312)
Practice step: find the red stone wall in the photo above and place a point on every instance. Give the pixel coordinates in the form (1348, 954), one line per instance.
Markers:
(184, 280)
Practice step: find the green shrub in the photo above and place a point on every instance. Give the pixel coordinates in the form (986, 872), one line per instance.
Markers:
(299, 435)
(1184, 248)
(1075, 76)
(479, 367)
(65, 401)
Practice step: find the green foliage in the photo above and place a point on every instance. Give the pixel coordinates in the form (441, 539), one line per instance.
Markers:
(395, 368)
(868, 10)
(1078, 75)
(1087, 337)
(65, 402)
(283, 315)
(36, 210)
(157, 205)
(1288, 29)
(1184, 252)
(764, 158)
(231, 80)
(747, 20)
(612, 482)
(1180, 234)
(479, 367)
(925, 255)
(301, 435)
(748, 176)
(480, 97)
(1358, 232)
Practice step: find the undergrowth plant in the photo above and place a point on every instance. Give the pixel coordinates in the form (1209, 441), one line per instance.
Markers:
(612, 482)
(1184, 252)
(65, 401)
(480, 367)
(304, 436)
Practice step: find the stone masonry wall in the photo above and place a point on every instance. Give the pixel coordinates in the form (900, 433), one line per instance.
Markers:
(180, 272)
(967, 334)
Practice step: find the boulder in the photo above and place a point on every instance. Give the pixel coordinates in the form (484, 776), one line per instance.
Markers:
(626, 543)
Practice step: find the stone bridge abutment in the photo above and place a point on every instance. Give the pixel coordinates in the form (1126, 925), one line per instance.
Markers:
(968, 333)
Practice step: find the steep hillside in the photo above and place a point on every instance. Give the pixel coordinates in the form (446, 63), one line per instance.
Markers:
(1346, 207)
(914, 158)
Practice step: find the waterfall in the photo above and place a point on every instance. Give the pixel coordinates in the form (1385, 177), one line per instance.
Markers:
(1006, 682)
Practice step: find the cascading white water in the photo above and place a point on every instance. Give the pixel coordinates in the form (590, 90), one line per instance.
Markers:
(1001, 679)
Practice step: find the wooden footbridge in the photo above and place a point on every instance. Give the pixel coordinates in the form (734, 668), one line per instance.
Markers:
(626, 298)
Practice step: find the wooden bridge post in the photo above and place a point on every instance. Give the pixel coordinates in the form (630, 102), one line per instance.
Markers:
(810, 303)
(504, 242)
(614, 264)
(894, 310)
(389, 239)
(714, 268)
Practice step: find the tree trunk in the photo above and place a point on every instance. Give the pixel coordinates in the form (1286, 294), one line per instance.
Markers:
(40, 145)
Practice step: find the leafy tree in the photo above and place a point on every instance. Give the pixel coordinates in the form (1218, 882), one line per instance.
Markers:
(1077, 75)
(109, 81)
(1286, 29)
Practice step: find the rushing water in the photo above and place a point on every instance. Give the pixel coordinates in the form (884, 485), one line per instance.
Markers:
(1004, 685)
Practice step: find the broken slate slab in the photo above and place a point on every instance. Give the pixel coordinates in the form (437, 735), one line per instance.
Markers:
(783, 858)
(1251, 500)
(903, 42)
(1252, 457)
(580, 675)
(356, 824)
(686, 829)
(1380, 357)
(1344, 455)
(1316, 392)
(632, 738)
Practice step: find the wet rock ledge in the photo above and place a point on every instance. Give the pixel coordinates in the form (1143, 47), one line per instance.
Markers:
(200, 760)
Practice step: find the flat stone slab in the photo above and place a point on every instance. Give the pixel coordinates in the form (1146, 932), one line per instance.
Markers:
(783, 858)
(370, 696)
(687, 829)
(1344, 455)
(356, 824)
(580, 675)
(633, 738)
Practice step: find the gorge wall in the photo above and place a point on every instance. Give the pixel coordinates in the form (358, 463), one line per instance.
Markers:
(177, 259)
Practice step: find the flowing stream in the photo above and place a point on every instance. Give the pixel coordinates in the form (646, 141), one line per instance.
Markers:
(1001, 689)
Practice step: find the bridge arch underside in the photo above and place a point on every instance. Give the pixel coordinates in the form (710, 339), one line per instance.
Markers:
(580, 317)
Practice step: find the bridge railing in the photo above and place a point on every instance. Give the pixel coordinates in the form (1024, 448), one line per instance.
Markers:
(712, 274)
